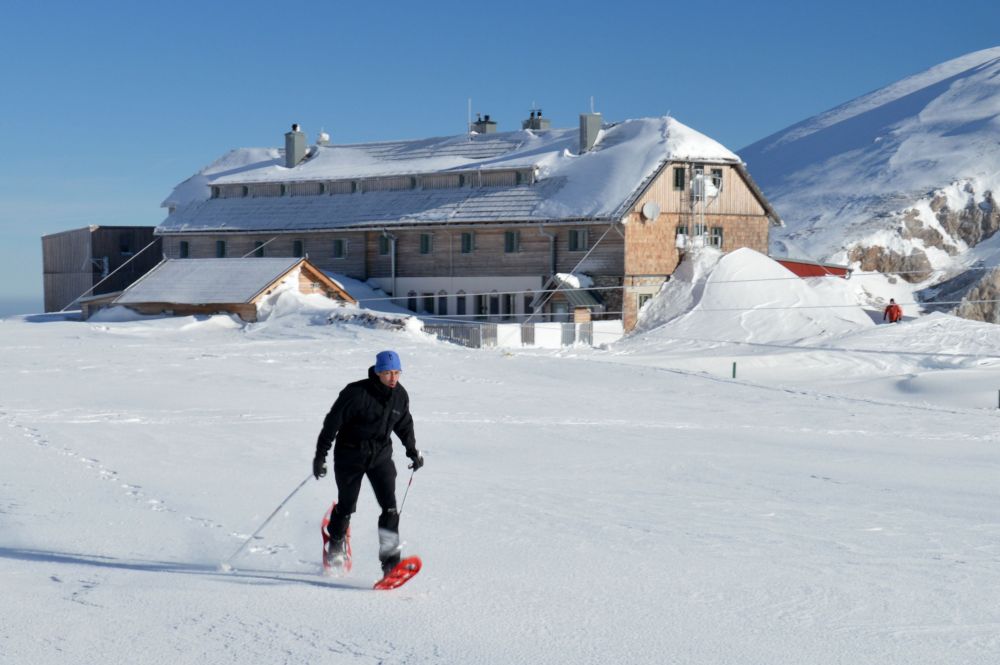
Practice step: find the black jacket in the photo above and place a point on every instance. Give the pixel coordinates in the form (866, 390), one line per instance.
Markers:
(363, 417)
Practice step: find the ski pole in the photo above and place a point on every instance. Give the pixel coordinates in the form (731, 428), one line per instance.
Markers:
(403, 502)
(226, 565)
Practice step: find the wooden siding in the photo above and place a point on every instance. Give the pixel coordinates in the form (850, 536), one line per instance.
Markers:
(318, 247)
(246, 311)
(488, 256)
(306, 188)
(265, 189)
(66, 268)
(441, 181)
(391, 184)
(736, 197)
(72, 262)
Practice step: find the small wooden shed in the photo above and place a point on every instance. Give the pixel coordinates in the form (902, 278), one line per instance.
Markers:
(184, 287)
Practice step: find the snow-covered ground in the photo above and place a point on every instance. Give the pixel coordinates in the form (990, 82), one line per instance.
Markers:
(836, 502)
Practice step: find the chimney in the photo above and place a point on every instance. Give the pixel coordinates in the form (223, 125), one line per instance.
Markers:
(590, 125)
(295, 146)
(536, 121)
(484, 125)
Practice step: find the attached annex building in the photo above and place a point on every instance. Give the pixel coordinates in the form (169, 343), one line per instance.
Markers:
(479, 226)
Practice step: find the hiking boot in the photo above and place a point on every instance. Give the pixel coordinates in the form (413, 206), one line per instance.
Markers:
(336, 553)
(389, 564)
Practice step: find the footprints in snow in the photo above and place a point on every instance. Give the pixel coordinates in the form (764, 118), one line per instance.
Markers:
(110, 475)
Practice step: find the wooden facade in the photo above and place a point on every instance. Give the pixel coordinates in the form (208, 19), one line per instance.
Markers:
(462, 270)
(74, 261)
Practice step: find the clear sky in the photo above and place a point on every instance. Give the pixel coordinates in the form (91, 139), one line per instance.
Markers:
(107, 105)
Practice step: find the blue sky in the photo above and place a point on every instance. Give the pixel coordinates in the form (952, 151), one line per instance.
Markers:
(107, 105)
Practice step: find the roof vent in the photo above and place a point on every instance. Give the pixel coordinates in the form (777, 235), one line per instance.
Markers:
(483, 125)
(590, 125)
(295, 146)
(535, 121)
(322, 138)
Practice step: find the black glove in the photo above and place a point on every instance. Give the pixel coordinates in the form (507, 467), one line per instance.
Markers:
(319, 467)
(416, 458)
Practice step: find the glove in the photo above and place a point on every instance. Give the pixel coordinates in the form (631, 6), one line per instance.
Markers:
(319, 467)
(416, 458)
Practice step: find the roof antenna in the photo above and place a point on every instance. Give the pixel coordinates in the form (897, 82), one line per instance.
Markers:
(468, 124)
(591, 103)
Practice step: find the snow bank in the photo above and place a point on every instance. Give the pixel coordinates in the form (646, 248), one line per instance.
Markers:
(744, 296)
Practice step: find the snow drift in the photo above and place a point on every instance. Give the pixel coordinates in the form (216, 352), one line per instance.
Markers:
(745, 296)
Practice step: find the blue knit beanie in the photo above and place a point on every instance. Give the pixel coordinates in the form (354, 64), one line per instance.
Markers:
(387, 360)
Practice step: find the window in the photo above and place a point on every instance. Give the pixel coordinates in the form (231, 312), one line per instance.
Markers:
(468, 242)
(428, 299)
(460, 303)
(220, 249)
(494, 304)
(185, 249)
(339, 248)
(258, 249)
(511, 241)
(125, 244)
(479, 305)
(577, 240)
(297, 249)
(425, 243)
(507, 305)
(717, 178)
(679, 178)
(215, 192)
(643, 299)
(528, 299)
(715, 239)
(442, 309)
(411, 301)
(383, 245)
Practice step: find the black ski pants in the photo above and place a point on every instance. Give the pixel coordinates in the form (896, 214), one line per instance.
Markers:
(350, 466)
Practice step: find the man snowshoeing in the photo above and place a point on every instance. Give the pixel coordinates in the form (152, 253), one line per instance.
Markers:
(362, 420)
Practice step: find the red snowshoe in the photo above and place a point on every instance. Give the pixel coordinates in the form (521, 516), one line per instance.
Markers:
(335, 563)
(401, 574)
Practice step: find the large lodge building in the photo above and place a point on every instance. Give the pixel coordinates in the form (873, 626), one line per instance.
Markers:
(483, 226)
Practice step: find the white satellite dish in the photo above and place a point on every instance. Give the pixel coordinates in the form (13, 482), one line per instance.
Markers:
(650, 211)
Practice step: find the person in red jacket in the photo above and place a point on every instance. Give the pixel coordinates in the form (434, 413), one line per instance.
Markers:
(894, 313)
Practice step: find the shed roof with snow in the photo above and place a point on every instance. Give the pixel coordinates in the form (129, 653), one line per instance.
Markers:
(226, 285)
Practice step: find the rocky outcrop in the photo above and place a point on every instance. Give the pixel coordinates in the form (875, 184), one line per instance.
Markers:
(913, 267)
(980, 302)
(972, 224)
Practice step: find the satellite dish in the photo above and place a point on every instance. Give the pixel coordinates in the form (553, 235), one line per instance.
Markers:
(650, 211)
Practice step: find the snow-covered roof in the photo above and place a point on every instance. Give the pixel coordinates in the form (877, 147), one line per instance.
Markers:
(598, 184)
(206, 281)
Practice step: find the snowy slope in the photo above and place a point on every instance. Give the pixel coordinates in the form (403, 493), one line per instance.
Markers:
(900, 179)
(833, 504)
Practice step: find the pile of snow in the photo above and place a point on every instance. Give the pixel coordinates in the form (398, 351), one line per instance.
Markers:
(745, 296)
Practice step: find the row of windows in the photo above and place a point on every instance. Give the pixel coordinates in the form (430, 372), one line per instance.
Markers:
(578, 242)
(378, 184)
(480, 305)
